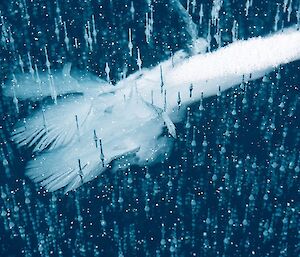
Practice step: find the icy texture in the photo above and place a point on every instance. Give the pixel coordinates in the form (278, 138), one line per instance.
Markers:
(80, 136)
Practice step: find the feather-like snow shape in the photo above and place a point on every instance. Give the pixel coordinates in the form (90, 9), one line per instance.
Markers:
(78, 160)
(77, 138)
(55, 125)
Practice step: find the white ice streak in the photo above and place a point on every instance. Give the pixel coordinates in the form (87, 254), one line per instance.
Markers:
(224, 68)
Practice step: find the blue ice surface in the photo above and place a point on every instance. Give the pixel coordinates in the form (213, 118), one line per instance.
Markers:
(230, 185)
